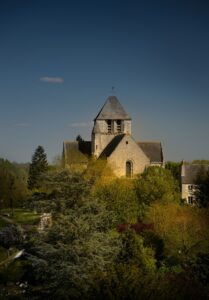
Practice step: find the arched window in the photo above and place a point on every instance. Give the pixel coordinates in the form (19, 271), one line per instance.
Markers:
(129, 168)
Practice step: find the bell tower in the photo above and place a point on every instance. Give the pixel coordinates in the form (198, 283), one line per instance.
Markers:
(112, 120)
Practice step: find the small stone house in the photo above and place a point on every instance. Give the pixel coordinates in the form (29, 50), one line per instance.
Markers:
(189, 176)
(112, 140)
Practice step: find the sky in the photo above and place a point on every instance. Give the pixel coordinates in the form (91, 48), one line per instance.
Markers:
(60, 59)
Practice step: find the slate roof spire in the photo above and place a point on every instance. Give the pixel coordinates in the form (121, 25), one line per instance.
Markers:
(112, 110)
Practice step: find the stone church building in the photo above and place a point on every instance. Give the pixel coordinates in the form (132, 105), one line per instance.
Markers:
(112, 141)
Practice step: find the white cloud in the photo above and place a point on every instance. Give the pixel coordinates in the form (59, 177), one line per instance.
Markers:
(81, 124)
(52, 79)
(23, 124)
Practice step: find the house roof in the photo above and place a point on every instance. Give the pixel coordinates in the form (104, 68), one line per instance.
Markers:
(111, 146)
(85, 147)
(190, 172)
(76, 152)
(112, 110)
(153, 150)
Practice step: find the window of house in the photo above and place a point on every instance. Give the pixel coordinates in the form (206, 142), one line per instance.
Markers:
(109, 126)
(129, 168)
(118, 123)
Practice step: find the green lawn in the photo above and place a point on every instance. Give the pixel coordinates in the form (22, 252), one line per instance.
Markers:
(22, 217)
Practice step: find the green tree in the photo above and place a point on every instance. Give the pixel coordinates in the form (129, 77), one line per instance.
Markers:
(130, 275)
(38, 166)
(199, 267)
(64, 260)
(156, 184)
(184, 229)
(202, 189)
(201, 161)
(175, 168)
(119, 196)
(13, 184)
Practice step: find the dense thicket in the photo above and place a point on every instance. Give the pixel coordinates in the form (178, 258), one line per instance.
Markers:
(115, 238)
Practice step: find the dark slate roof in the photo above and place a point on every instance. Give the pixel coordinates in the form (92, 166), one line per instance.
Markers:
(153, 150)
(190, 172)
(111, 146)
(76, 152)
(112, 110)
(85, 147)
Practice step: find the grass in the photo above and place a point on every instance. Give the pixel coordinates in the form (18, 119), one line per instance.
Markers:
(22, 216)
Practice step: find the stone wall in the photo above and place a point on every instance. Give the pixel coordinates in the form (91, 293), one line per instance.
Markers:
(128, 150)
(100, 141)
(187, 191)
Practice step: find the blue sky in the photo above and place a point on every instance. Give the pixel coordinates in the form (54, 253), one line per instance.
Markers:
(59, 60)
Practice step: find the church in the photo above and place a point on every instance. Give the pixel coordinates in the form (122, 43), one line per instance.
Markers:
(112, 141)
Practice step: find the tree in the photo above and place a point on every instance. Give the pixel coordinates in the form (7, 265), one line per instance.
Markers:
(13, 183)
(98, 171)
(184, 229)
(12, 187)
(156, 184)
(199, 268)
(201, 161)
(119, 196)
(175, 168)
(11, 236)
(202, 189)
(79, 138)
(38, 166)
(65, 259)
(132, 271)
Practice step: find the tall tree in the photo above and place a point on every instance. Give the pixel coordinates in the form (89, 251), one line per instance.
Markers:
(13, 183)
(38, 166)
(65, 261)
